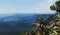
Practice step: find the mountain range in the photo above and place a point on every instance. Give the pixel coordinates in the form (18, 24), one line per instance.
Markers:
(19, 22)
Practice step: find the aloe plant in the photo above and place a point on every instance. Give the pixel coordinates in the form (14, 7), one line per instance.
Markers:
(51, 30)
(39, 20)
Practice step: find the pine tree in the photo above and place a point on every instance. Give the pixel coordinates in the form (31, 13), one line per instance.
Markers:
(56, 6)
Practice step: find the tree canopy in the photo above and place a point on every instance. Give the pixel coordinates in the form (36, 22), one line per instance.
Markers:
(56, 6)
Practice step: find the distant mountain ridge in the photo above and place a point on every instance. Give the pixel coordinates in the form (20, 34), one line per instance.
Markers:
(19, 21)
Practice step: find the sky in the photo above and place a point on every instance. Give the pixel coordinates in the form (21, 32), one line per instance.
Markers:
(26, 6)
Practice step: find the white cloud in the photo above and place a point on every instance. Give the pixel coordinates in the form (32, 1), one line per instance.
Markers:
(43, 7)
(39, 7)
